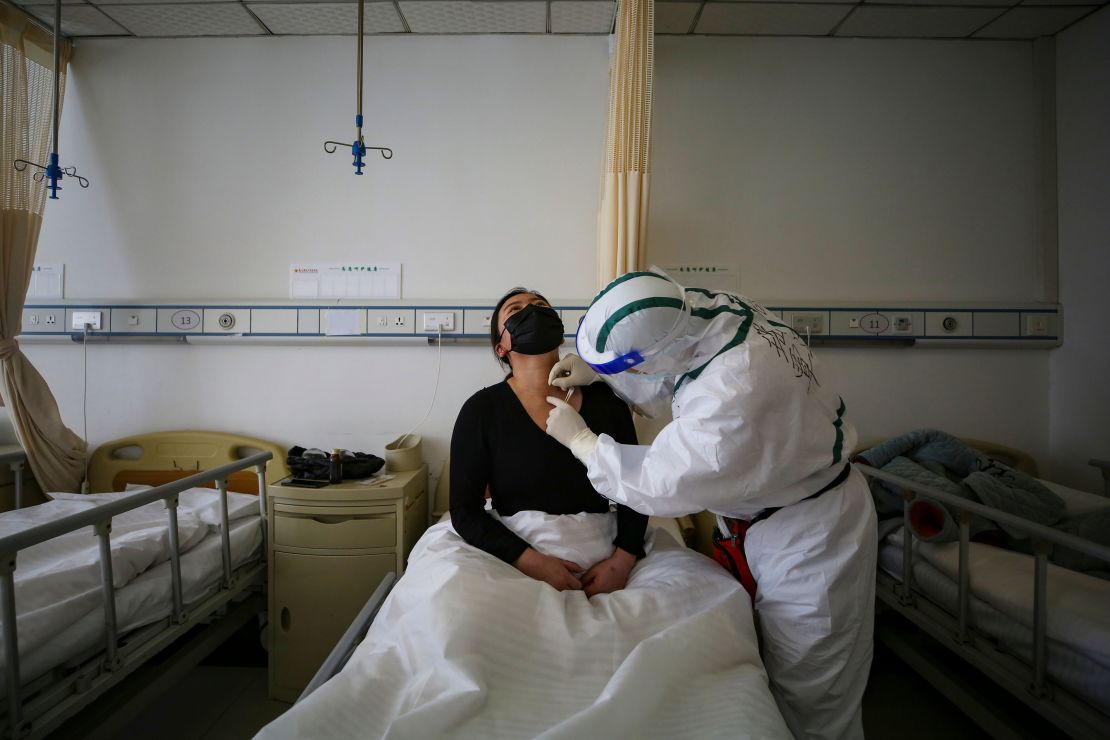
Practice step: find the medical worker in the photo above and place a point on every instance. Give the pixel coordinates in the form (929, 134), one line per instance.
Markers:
(757, 435)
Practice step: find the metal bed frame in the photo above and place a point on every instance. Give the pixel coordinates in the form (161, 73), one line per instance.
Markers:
(1028, 682)
(51, 700)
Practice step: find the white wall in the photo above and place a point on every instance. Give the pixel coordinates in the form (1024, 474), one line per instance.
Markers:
(830, 169)
(1080, 369)
(841, 170)
(209, 176)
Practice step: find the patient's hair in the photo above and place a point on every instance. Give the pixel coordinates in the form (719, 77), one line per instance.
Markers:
(495, 335)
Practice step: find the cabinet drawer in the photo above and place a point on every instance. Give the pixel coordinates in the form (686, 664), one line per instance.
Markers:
(339, 530)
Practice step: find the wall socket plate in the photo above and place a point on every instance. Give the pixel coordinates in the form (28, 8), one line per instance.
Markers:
(390, 321)
(805, 322)
(82, 318)
(433, 321)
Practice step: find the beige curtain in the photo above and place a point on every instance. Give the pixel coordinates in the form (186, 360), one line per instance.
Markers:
(55, 453)
(622, 222)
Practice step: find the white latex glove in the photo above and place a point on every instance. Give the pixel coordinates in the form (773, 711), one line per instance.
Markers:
(570, 371)
(567, 425)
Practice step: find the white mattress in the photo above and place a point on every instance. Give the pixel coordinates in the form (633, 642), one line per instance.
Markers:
(467, 646)
(1001, 606)
(58, 594)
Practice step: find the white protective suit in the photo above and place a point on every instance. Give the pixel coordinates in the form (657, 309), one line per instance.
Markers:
(754, 426)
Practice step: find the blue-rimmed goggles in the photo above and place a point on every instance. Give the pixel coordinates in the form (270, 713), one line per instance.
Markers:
(618, 365)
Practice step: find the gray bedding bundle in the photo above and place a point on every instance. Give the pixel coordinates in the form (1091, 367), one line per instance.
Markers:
(939, 460)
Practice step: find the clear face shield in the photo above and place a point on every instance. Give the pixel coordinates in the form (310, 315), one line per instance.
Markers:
(645, 379)
(648, 395)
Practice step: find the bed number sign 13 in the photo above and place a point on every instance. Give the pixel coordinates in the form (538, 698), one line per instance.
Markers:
(185, 320)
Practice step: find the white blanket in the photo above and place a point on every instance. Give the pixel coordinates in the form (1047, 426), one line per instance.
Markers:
(467, 646)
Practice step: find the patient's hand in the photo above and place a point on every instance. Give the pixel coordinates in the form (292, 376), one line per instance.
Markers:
(609, 575)
(559, 574)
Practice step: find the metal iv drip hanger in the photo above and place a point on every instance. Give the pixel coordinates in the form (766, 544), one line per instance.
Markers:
(358, 147)
(53, 172)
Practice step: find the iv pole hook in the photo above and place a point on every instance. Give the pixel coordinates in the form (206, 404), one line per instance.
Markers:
(358, 147)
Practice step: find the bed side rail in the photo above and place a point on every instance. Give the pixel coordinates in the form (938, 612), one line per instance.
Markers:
(100, 519)
(341, 653)
(15, 459)
(1043, 540)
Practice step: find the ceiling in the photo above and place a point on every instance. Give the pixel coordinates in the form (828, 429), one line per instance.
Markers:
(933, 19)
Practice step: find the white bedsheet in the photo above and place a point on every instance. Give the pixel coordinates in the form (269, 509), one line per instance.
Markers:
(149, 597)
(58, 582)
(467, 646)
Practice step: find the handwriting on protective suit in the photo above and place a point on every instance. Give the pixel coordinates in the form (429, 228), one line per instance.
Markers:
(789, 348)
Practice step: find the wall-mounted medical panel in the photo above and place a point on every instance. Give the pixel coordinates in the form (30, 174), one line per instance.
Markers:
(134, 320)
(343, 321)
(308, 321)
(96, 318)
(476, 321)
(1038, 324)
(227, 321)
(571, 318)
(390, 321)
(273, 321)
(949, 323)
(43, 320)
(1030, 325)
(446, 319)
(887, 323)
(996, 324)
(180, 320)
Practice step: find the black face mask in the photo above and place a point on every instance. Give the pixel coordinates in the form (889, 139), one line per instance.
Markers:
(534, 330)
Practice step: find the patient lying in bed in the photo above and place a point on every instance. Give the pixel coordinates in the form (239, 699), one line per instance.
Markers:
(545, 617)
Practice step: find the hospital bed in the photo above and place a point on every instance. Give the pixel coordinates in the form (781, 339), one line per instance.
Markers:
(691, 647)
(94, 585)
(1038, 631)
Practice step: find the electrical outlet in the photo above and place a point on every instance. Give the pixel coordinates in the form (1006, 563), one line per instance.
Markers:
(37, 320)
(808, 323)
(80, 319)
(438, 321)
(1038, 325)
(389, 321)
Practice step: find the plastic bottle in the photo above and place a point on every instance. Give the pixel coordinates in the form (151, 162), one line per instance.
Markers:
(335, 467)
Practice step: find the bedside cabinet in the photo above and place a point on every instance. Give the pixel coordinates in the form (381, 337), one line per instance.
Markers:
(328, 550)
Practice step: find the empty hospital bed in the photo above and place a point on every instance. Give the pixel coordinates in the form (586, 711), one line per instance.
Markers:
(465, 646)
(1039, 631)
(93, 585)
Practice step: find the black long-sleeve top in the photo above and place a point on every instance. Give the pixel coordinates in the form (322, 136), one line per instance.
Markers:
(496, 444)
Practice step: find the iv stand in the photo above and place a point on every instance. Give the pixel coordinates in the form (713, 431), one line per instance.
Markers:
(53, 171)
(358, 148)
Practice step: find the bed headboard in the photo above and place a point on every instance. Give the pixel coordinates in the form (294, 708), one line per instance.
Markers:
(161, 457)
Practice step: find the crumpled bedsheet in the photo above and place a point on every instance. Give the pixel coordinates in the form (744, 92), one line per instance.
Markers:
(467, 646)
